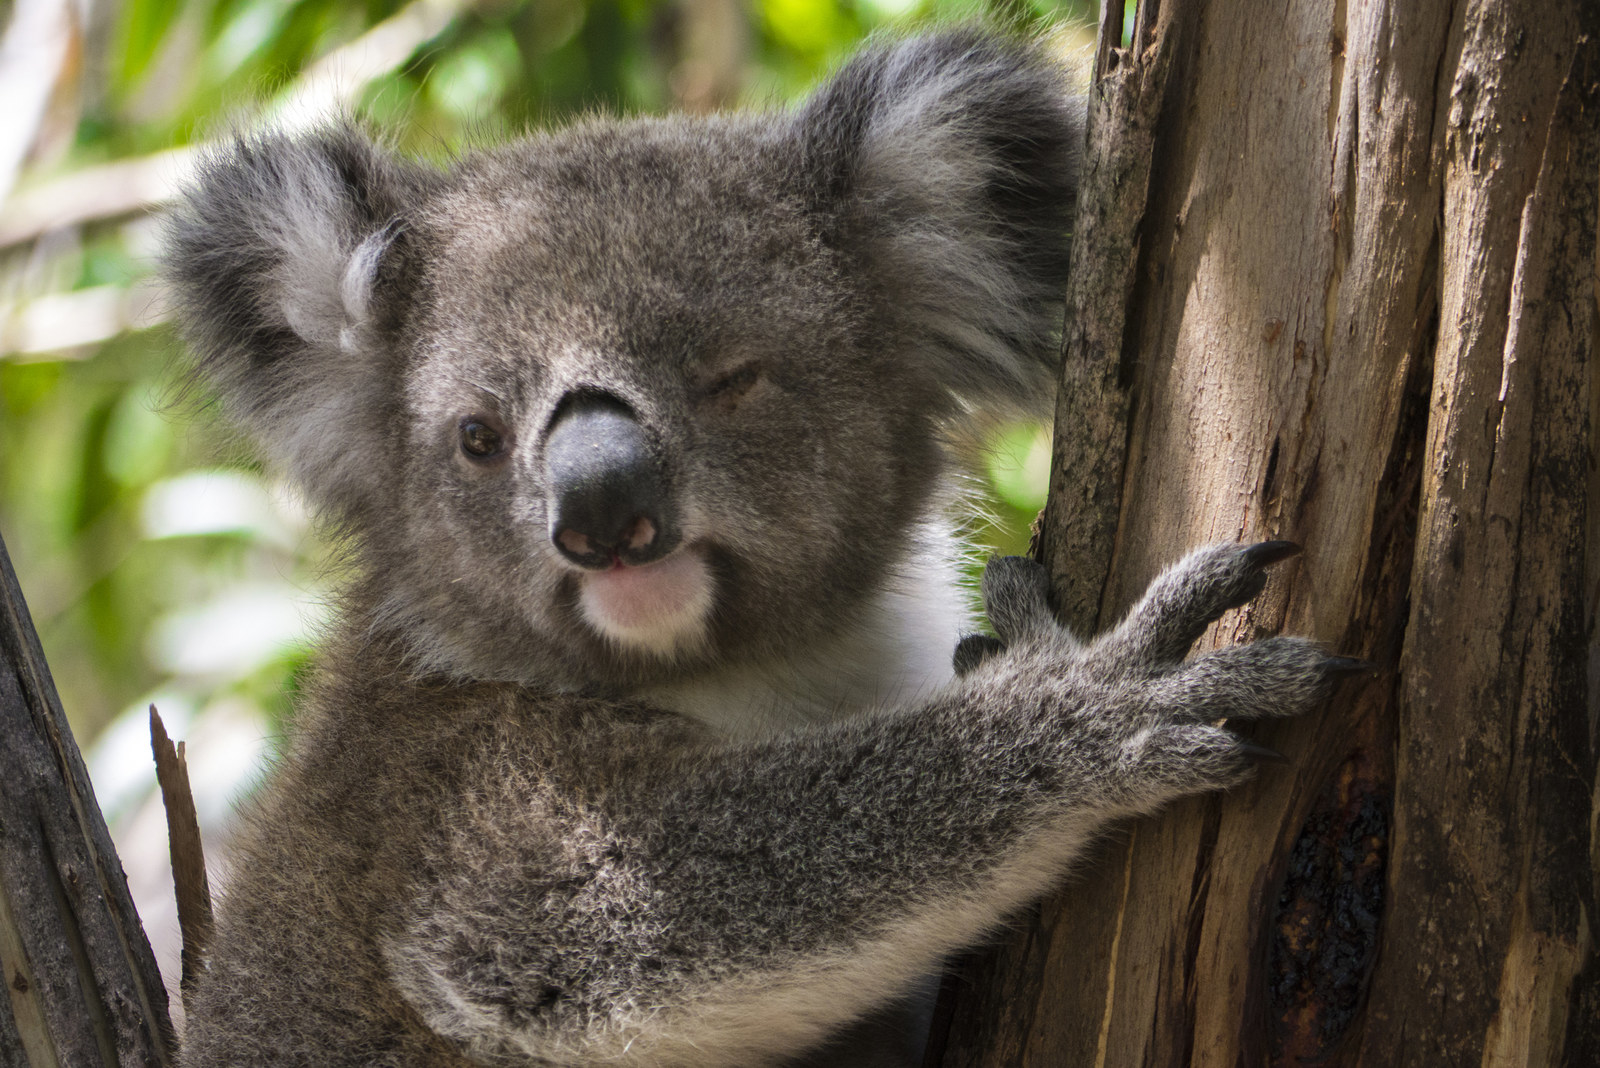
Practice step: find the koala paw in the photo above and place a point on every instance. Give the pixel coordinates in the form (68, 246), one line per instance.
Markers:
(1016, 596)
(1138, 713)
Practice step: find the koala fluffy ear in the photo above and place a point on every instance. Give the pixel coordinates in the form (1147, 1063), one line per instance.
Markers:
(281, 261)
(947, 167)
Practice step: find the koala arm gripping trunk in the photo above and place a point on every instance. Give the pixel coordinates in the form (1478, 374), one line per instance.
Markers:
(722, 904)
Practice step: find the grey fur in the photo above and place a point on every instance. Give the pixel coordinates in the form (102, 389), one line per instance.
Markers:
(518, 825)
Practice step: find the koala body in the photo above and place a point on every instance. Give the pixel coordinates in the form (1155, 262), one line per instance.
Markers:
(637, 739)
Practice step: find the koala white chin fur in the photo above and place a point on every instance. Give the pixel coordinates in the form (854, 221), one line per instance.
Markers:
(659, 607)
(644, 735)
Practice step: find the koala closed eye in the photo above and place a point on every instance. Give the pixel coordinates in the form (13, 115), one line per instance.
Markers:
(728, 388)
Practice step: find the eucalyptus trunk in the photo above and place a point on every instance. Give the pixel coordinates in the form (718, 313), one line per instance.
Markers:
(1335, 282)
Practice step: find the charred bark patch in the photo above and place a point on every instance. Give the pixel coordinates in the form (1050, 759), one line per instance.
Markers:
(1325, 931)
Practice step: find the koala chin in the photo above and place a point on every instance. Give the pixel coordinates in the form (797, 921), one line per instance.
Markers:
(637, 740)
(660, 607)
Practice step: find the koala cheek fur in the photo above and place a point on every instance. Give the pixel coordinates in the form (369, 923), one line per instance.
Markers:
(638, 740)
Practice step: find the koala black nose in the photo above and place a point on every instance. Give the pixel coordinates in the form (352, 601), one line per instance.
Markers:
(608, 500)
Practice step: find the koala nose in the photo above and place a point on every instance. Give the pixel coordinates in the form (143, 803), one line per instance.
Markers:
(608, 500)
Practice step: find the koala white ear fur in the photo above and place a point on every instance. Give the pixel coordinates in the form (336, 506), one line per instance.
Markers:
(355, 288)
(949, 165)
(275, 256)
(321, 302)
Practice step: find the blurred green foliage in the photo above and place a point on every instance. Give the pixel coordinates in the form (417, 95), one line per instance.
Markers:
(157, 566)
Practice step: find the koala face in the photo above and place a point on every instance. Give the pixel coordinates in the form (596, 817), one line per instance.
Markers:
(563, 306)
(613, 404)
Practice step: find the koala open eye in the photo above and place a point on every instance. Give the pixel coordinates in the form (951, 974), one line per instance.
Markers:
(483, 437)
(727, 389)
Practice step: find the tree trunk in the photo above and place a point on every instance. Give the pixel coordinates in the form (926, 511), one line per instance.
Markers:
(82, 985)
(1357, 311)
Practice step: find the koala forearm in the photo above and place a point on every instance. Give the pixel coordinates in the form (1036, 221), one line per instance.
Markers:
(571, 881)
(712, 903)
(746, 899)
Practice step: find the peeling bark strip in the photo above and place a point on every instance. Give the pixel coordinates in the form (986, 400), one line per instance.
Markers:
(189, 882)
(82, 986)
(1363, 319)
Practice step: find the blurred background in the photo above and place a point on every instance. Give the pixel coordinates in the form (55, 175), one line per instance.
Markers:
(159, 565)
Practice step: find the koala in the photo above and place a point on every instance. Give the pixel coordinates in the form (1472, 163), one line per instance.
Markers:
(640, 737)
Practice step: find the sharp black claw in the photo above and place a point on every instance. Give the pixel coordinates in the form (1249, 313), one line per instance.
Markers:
(1263, 553)
(973, 650)
(1263, 754)
(1340, 666)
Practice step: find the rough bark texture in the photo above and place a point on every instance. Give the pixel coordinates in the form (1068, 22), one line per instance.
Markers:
(82, 986)
(1363, 320)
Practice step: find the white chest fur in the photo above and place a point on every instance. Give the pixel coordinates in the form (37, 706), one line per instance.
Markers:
(897, 646)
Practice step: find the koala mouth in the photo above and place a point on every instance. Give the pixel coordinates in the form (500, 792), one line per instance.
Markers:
(661, 607)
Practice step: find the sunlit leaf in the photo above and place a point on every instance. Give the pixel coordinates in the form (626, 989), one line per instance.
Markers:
(470, 82)
(144, 26)
(252, 30)
(1019, 466)
(235, 633)
(808, 26)
(138, 440)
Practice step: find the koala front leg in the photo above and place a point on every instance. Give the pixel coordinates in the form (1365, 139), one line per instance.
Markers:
(732, 904)
(1187, 598)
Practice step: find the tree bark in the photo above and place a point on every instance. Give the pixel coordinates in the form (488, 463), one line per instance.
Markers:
(1362, 315)
(81, 983)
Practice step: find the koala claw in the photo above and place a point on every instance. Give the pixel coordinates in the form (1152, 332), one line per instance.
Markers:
(1263, 553)
(1262, 754)
(1227, 576)
(1187, 598)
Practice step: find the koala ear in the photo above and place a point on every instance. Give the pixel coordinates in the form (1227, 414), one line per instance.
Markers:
(946, 166)
(281, 258)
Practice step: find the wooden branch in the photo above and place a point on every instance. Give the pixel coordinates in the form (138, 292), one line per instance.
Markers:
(35, 49)
(989, 997)
(106, 191)
(83, 986)
(1077, 537)
(129, 186)
(189, 881)
(71, 325)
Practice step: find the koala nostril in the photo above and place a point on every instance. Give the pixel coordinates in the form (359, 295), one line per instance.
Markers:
(608, 499)
(575, 543)
(632, 546)
(641, 533)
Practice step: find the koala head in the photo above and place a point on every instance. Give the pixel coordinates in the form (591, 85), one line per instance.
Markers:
(610, 404)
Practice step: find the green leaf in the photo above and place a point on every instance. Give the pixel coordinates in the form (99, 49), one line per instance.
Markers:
(144, 26)
(1019, 466)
